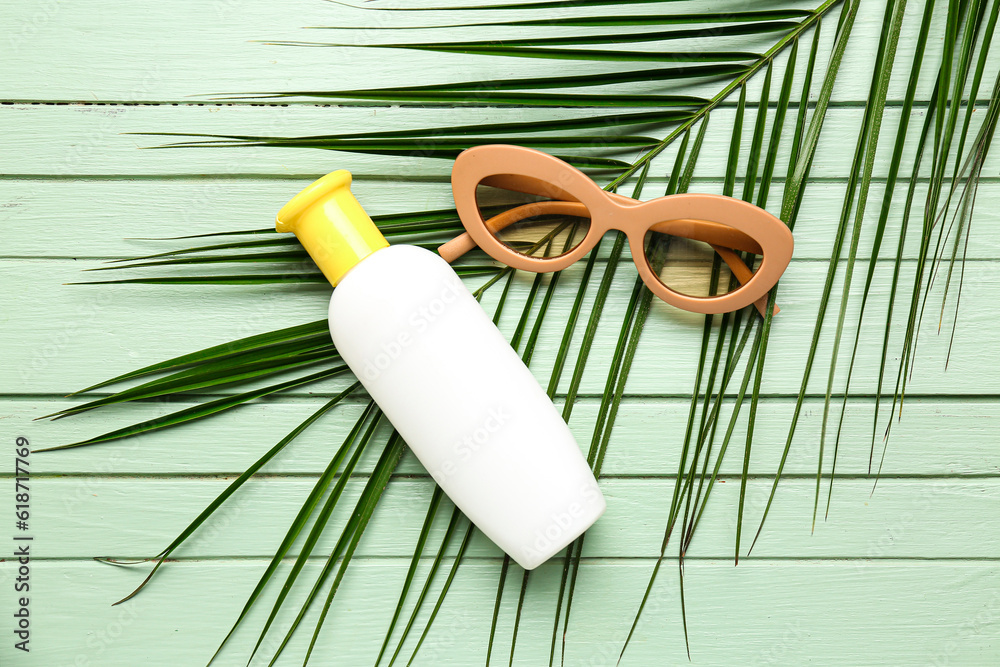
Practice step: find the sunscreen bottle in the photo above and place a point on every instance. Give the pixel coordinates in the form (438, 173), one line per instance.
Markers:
(447, 379)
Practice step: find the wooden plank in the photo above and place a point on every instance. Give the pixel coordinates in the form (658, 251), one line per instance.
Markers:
(646, 441)
(104, 330)
(103, 218)
(128, 66)
(762, 612)
(87, 140)
(904, 518)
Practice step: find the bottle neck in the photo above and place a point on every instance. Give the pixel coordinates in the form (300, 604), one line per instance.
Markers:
(331, 225)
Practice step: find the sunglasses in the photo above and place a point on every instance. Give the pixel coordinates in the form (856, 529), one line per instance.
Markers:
(534, 212)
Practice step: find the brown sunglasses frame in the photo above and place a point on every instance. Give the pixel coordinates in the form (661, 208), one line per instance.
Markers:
(705, 217)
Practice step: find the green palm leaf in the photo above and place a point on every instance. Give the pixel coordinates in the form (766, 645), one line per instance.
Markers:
(879, 234)
(161, 557)
(590, 21)
(511, 46)
(314, 331)
(204, 410)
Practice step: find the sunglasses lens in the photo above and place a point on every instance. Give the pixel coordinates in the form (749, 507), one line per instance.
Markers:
(530, 223)
(693, 267)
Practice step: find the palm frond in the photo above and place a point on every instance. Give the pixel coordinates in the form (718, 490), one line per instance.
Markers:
(789, 207)
(615, 21)
(161, 557)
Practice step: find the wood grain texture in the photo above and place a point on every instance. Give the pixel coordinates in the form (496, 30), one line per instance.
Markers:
(185, 68)
(136, 518)
(765, 612)
(78, 140)
(644, 441)
(113, 219)
(99, 334)
(907, 575)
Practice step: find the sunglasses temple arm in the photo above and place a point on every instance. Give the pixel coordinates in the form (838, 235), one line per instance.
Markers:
(743, 274)
(456, 247)
(463, 243)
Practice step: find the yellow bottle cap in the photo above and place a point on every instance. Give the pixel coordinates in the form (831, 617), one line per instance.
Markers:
(331, 225)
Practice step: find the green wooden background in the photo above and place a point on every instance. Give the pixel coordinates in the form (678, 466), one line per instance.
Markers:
(908, 575)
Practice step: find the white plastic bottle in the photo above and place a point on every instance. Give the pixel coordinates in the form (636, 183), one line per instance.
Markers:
(447, 379)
